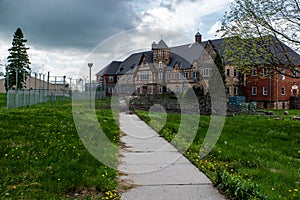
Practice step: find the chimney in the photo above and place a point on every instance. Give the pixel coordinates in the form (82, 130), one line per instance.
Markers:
(198, 37)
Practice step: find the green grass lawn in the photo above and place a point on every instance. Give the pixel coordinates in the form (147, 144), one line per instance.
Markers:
(42, 156)
(256, 157)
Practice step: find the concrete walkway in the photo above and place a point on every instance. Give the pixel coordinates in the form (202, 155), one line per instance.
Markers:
(156, 169)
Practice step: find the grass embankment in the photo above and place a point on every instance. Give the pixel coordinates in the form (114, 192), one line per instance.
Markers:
(256, 157)
(42, 156)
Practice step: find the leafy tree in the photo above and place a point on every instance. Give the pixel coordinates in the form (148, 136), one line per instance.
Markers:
(256, 31)
(18, 67)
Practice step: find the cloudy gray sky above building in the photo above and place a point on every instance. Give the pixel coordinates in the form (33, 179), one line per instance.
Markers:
(61, 34)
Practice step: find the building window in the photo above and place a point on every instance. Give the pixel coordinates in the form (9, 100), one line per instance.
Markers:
(245, 80)
(144, 75)
(160, 90)
(110, 89)
(228, 72)
(254, 71)
(254, 90)
(295, 72)
(160, 53)
(111, 79)
(160, 64)
(264, 72)
(186, 75)
(283, 73)
(235, 73)
(282, 90)
(160, 75)
(265, 90)
(235, 90)
(206, 72)
(195, 74)
(176, 75)
(177, 90)
(168, 75)
(229, 90)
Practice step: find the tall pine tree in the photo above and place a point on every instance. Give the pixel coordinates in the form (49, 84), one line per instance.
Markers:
(18, 67)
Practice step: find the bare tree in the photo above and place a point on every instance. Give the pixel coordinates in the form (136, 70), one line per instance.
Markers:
(263, 33)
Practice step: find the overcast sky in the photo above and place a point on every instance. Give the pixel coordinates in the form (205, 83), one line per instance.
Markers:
(62, 33)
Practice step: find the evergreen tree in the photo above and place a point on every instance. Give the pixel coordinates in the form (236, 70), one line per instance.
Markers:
(18, 67)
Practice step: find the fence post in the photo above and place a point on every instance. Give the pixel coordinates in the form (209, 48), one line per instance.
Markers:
(52, 99)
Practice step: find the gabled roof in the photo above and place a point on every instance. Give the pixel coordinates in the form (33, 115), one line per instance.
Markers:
(181, 61)
(129, 63)
(190, 52)
(110, 69)
(277, 48)
(185, 55)
(160, 45)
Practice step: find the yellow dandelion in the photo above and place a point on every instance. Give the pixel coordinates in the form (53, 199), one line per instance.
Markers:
(14, 187)
(273, 189)
(295, 190)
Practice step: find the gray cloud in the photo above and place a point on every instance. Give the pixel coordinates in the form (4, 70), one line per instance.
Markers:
(66, 23)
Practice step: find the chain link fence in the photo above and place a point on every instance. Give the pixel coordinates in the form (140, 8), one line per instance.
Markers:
(27, 97)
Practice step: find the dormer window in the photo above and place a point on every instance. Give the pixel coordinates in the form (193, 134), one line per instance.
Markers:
(160, 65)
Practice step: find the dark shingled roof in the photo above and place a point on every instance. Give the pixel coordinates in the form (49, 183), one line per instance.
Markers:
(177, 59)
(110, 69)
(185, 55)
(129, 64)
(277, 48)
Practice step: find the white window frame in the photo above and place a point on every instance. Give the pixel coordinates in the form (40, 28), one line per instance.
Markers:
(295, 72)
(195, 74)
(160, 75)
(186, 75)
(144, 75)
(282, 91)
(229, 90)
(235, 90)
(235, 73)
(228, 72)
(160, 64)
(206, 72)
(264, 71)
(111, 78)
(265, 90)
(245, 80)
(254, 90)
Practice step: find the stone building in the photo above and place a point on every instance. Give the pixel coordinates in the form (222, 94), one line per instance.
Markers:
(166, 69)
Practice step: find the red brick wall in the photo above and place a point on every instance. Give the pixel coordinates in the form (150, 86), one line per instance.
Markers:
(274, 89)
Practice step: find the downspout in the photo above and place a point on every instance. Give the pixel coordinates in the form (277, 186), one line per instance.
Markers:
(277, 90)
(270, 86)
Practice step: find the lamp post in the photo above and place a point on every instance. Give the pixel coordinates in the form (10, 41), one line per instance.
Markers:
(90, 65)
(7, 82)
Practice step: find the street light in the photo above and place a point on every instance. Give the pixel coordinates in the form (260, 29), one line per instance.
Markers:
(90, 65)
(7, 82)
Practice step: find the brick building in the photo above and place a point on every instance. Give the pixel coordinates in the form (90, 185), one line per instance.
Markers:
(166, 69)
